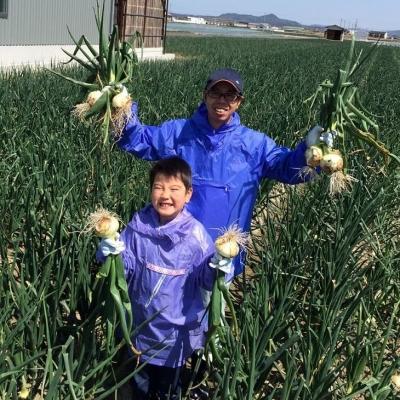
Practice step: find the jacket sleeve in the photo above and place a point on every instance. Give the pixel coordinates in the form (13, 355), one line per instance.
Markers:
(128, 255)
(206, 274)
(282, 164)
(149, 142)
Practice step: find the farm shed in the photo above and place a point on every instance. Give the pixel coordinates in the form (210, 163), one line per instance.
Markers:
(149, 17)
(34, 32)
(334, 32)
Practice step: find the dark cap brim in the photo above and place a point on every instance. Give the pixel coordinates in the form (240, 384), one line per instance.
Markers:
(211, 84)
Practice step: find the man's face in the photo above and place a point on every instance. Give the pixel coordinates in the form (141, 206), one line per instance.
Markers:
(222, 100)
(168, 196)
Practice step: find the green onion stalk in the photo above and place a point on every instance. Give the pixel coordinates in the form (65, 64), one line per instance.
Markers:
(228, 246)
(111, 278)
(341, 111)
(109, 70)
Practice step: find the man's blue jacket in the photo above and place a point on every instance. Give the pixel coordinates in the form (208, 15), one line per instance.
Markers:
(227, 164)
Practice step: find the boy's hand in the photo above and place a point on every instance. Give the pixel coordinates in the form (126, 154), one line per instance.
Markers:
(221, 263)
(111, 246)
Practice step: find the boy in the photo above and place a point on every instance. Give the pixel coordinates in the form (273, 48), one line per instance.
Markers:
(166, 259)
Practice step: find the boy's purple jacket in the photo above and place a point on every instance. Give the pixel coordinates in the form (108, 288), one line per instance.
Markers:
(165, 267)
(228, 164)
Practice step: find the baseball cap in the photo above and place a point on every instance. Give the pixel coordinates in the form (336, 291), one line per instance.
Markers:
(226, 75)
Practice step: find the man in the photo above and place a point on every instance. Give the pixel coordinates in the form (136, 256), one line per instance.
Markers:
(228, 160)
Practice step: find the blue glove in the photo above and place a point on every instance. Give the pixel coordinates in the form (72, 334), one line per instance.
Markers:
(316, 135)
(111, 246)
(221, 263)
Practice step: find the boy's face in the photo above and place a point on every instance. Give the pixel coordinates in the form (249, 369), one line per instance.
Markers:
(222, 100)
(168, 196)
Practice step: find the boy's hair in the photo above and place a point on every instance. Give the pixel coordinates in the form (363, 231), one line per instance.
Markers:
(173, 166)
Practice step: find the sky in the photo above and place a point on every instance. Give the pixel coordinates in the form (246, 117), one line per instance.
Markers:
(368, 14)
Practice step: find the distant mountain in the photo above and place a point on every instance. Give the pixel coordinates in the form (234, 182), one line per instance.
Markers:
(271, 19)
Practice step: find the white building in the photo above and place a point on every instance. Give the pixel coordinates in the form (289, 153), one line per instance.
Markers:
(377, 35)
(189, 20)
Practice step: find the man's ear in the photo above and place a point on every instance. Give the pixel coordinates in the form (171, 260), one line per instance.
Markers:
(239, 103)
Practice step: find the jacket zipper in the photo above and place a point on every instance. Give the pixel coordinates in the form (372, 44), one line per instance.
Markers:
(211, 184)
(155, 290)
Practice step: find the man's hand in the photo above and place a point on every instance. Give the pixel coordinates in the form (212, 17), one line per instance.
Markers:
(111, 246)
(327, 137)
(316, 135)
(313, 136)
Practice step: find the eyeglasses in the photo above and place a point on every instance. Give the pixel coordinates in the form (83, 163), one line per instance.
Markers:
(230, 97)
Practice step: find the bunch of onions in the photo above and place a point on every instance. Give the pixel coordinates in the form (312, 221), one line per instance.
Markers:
(341, 110)
(97, 102)
(111, 277)
(331, 162)
(108, 102)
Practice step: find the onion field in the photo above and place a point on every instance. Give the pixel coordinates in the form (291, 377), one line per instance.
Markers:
(318, 305)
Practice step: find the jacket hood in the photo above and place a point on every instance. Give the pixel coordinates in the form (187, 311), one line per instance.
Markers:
(200, 119)
(146, 222)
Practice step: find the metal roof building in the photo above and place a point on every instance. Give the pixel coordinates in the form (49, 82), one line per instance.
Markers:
(34, 31)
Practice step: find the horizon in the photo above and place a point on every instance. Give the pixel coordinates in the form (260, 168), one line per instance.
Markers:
(368, 15)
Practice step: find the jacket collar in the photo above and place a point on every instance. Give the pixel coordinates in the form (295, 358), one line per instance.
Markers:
(200, 119)
(147, 223)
